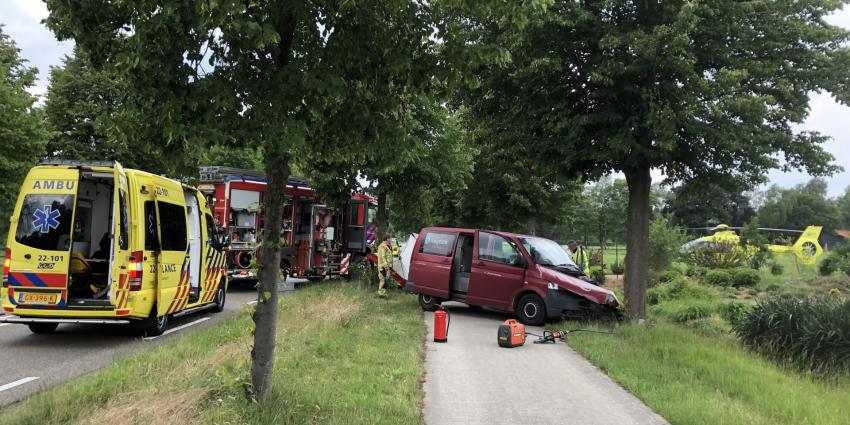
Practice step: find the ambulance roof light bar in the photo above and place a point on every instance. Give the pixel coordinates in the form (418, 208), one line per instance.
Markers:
(76, 163)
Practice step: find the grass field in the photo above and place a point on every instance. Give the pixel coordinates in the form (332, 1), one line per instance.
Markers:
(693, 378)
(343, 356)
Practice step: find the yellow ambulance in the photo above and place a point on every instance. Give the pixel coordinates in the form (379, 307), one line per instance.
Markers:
(96, 243)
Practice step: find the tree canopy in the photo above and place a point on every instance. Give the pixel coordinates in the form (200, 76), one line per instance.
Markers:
(703, 91)
(702, 206)
(22, 133)
(799, 207)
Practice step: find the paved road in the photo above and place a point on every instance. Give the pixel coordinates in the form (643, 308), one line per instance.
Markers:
(470, 380)
(77, 349)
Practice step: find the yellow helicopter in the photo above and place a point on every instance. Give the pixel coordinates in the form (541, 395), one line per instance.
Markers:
(806, 248)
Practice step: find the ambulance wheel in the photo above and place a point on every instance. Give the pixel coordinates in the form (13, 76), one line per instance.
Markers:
(43, 328)
(429, 302)
(220, 297)
(156, 325)
(530, 310)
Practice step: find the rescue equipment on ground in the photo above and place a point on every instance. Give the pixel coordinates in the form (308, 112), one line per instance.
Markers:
(555, 336)
(442, 320)
(511, 334)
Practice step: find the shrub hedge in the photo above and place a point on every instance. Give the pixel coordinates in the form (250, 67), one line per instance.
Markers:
(718, 277)
(739, 277)
(811, 333)
(680, 287)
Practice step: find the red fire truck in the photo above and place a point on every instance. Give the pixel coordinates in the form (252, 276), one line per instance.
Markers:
(318, 240)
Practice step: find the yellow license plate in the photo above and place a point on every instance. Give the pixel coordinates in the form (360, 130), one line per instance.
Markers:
(32, 298)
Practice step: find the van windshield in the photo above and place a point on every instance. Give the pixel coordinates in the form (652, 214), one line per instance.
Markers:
(45, 222)
(546, 252)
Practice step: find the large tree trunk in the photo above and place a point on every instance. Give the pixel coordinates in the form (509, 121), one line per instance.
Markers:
(265, 316)
(382, 213)
(637, 241)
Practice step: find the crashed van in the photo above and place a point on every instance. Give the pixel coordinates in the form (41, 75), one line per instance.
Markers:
(99, 244)
(530, 276)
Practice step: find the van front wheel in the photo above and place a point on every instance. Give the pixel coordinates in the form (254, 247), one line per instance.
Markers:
(429, 302)
(43, 328)
(530, 310)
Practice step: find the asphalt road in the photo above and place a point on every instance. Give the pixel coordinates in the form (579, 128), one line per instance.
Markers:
(34, 362)
(470, 380)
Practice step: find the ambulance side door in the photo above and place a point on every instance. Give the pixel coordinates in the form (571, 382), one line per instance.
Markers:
(172, 285)
(119, 259)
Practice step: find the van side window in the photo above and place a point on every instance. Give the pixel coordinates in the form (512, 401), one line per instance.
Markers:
(438, 243)
(492, 247)
(124, 225)
(151, 243)
(172, 226)
(44, 222)
(211, 233)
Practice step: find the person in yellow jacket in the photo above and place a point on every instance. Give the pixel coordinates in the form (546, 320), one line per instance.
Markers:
(579, 255)
(385, 264)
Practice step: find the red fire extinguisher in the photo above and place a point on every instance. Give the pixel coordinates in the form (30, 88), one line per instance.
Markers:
(442, 320)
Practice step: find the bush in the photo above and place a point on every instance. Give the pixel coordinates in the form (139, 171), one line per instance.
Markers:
(720, 255)
(665, 242)
(744, 277)
(668, 275)
(776, 269)
(618, 268)
(733, 311)
(686, 310)
(597, 274)
(719, 277)
(696, 271)
(811, 333)
(679, 288)
(837, 260)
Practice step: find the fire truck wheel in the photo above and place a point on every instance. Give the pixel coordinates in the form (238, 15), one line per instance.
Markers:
(316, 278)
(429, 302)
(219, 299)
(156, 325)
(43, 328)
(530, 310)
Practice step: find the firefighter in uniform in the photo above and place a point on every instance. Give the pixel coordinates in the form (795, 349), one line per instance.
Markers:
(385, 264)
(579, 255)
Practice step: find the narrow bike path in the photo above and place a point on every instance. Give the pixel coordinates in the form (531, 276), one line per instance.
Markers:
(470, 380)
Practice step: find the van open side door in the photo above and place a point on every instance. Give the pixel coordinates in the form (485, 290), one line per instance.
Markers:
(119, 256)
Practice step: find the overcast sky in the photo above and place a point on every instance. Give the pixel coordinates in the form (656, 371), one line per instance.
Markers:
(22, 21)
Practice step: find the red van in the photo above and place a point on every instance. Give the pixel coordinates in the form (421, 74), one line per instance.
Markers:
(529, 275)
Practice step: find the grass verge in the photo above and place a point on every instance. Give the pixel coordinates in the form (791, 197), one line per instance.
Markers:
(693, 378)
(343, 357)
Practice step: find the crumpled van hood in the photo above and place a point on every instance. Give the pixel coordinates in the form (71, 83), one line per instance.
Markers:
(577, 286)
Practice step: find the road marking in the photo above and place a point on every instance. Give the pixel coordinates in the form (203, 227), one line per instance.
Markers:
(203, 319)
(251, 302)
(19, 382)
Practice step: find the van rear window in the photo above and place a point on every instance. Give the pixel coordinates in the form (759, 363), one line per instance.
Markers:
(45, 222)
(437, 243)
